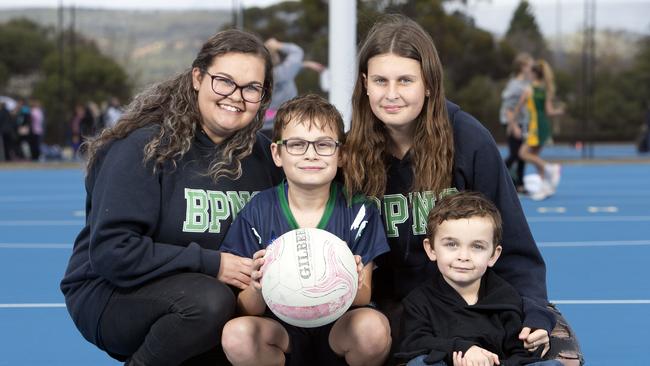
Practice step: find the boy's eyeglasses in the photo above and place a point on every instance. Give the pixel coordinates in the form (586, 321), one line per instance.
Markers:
(252, 93)
(296, 146)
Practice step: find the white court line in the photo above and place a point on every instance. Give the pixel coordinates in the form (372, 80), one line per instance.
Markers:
(32, 305)
(42, 222)
(588, 218)
(35, 246)
(595, 209)
(40, 198)
(610, 243)
(558, 302)
(547, 244)
(558, 209)
(600, 302)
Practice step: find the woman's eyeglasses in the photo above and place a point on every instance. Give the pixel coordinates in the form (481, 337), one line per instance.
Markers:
(252, 93)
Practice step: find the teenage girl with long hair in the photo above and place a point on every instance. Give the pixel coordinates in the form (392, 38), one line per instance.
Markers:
(407, 147)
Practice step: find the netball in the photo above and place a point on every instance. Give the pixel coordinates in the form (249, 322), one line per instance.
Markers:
(309, 277)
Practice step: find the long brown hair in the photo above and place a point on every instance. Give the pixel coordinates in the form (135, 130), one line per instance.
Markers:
(544, 73)
(173, 105)
(366, 148)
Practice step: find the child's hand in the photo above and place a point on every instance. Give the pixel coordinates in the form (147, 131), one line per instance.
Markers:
(534, 339)
(357, 258)
(256, 275)
(475, 356)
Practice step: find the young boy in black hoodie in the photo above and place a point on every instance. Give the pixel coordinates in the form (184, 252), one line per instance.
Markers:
(466, 315)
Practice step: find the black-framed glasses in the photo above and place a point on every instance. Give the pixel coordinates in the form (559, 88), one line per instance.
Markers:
(252, 93)
(296, 146)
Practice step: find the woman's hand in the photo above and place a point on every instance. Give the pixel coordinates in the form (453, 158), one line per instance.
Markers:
(235, 270)
(535, 339)
(273, 44)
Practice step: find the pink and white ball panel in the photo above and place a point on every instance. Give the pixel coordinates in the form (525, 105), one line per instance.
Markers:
(309, 277)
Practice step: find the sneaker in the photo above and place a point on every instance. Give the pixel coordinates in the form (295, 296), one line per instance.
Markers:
(539, 195)
(544, 192)
(552, 174)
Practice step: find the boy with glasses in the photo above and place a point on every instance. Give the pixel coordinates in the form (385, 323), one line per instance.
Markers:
(307, 136)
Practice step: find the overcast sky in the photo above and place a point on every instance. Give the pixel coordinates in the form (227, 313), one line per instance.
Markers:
(137, 4)
(493, 15)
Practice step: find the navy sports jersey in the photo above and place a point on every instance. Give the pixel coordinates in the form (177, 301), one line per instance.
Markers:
(142, 225)
(267, 216)
(478, 166)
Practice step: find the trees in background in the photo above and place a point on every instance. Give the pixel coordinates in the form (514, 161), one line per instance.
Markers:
(523, 33)
(23, 45)
(471, 56)
(60, 80)
(476, 64)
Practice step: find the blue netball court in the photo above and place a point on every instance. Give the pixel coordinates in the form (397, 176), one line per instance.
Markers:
(594, 235)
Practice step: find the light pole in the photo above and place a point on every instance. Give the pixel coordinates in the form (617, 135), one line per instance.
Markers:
(342, 55)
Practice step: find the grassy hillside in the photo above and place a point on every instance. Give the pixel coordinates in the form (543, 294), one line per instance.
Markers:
(151, 45)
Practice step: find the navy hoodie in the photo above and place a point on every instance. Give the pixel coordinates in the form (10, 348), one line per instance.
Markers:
(142, 225)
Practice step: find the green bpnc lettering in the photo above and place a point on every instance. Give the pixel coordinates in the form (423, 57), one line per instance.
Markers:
(302, 255)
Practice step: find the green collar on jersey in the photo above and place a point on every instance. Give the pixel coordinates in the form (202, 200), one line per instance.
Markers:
(286, 210)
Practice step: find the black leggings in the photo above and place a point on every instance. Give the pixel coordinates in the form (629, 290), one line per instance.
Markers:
(167, 321)
(514, 144)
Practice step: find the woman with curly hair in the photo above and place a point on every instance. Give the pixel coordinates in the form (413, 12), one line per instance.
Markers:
(408, 146)
(146, 281)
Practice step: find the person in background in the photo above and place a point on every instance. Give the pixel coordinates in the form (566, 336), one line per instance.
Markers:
(146, 281)
(466, 314)
(514, 115)
(76, 137)
(408, 146)
(287, 63)
(7, 133)
(643, 141)
(37, 130)
(23, 118)
(113, 113)
(540, 96)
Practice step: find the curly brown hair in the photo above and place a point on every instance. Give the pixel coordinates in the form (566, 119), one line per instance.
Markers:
(366, 150)
(173, 105)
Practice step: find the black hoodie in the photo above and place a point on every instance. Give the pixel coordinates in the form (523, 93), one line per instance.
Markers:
(142, 225)
(437, 322)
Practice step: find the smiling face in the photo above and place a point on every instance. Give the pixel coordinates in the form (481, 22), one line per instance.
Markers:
(309, 170)
(463, 250)
(223, 116)
(396, 89)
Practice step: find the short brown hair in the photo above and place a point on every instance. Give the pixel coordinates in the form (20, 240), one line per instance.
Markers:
(464, 205)
(310, 110)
